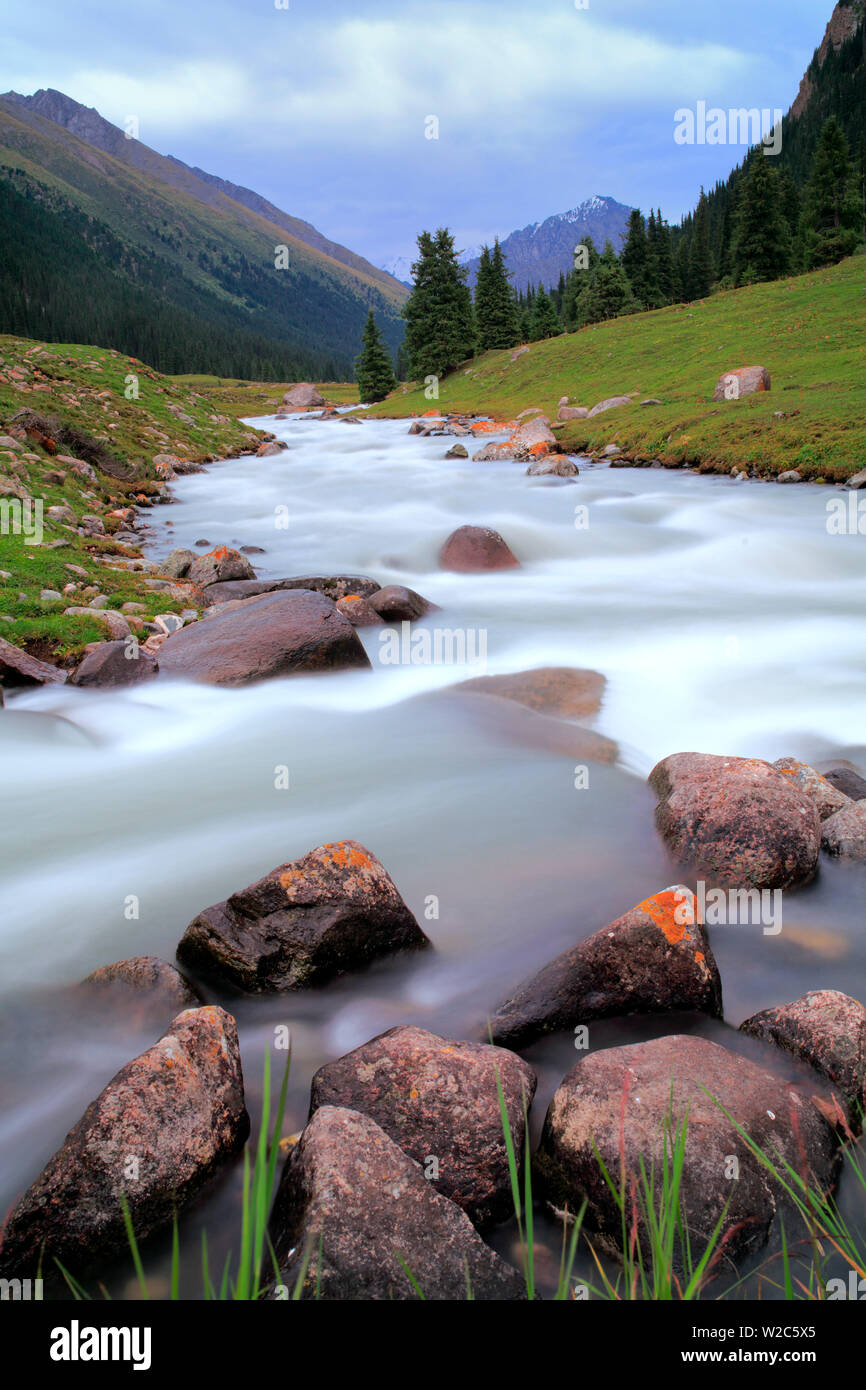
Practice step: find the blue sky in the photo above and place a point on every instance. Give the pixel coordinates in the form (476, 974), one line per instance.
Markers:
(322, 106)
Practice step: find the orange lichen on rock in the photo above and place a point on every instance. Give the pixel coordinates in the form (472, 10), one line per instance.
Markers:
(672, 912)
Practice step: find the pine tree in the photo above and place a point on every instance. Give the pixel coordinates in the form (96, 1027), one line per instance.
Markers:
(701, 269)
(440, 326)
(832, 217)
(544, 323)
(373, 367)
(482, 300)
(496, 309)
(609, 292)
(635, 257)
(662, 260)
(761, 247)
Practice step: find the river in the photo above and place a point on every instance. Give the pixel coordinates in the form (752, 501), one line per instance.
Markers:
(724, 615)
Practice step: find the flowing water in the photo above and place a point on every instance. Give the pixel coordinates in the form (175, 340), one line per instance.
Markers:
(725, 617)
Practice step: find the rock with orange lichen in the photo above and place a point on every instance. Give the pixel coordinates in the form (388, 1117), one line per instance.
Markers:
(160, 1130)
(358, 611)
(739, 821)
(655, 959)
(827, 798)
(624, 1104)
(219, 566)
(434, 1096)
(332, 912)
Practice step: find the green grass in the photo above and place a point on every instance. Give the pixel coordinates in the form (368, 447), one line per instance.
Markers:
(809, 331)
(240, 400)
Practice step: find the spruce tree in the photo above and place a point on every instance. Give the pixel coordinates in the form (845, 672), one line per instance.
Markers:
(832, 218)
(482, 300)
(373, 367)
(662, 260)
(544, 323)
(761, 247)
(609, 292)
(701, 268)
(496, 310)
(440, 327)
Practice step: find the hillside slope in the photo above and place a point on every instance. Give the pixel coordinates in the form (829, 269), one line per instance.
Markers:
(809, 331)
(140, 254)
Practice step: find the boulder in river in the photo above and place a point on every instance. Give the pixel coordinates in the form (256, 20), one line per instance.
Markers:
(280, 634)
(218, 566)
(438, 1100)
(844, 834)
(557, 466)
(739, 820)
(827, 1029)
(827, 798)
(332, 912)
(303, 396)
(847, 780)
(334, 587)
(177, 564)
(655, 959)
(471, 549)
(493, 453)
(617, 1103)
(18, 668)
(366, 1214)
(158, 1132)
(743, 381)
(397, 604)
(358, 611)
(113, 664)
(457, 451)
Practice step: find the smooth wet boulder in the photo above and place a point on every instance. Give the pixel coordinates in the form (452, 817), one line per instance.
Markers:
(159, 1132)
(743, 381)
(559, 690)
(438, 1100)
(457, 451)
(333, 587)
(303, 396)
(827, 798)
(148, 976)
(826, 1029)
(739, 820)
(396, 604)
(332, 912)
(286, 633)
(616, 1104)
(113, 664)
(493, 453)
(556, 467)
(365, 1212)
(471, 549)
(844, 834)
(218, 566)
(18, 668)
(655, 959)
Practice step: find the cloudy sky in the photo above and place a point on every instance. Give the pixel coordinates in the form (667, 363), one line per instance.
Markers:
(323, 106)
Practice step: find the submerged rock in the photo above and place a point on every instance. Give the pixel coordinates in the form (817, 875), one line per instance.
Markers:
(616, 1103)
(158, 1132)
(438, 1100)
(470, 549)
(562, 690)
(848, 781)
(145, 975)
(396, 604)
(827, 1029)
(333, 911)
(556, 467)
(366, 1214)
(333, 587)
(655, 959)
(738, 819)
(281, 634)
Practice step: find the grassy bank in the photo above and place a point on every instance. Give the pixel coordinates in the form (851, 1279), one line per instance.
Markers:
(240, 399)
(113, 415)
(809, 331)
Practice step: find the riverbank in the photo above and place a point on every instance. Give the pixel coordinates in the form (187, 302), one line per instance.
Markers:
(809, 332)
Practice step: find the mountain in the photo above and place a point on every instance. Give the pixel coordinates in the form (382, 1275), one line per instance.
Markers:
(401, 269)
(102, 239)
(542, 251)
